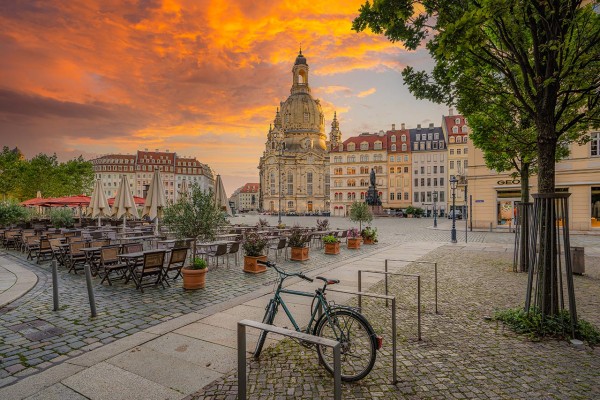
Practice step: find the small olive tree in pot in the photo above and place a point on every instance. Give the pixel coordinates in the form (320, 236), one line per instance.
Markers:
(360, 212)
(194, 216)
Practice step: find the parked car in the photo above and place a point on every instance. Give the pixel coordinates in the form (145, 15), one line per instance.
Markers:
(457, 212)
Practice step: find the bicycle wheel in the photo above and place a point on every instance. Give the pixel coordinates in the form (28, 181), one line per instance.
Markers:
(267, 319)
(358, 343)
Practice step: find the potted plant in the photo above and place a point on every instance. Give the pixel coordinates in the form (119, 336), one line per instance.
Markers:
(322, 225)
(360, 212)
(354, 238)
(194, 275)
(195, 216)
(332, 244)
(369, 235)
(253, 248)
(298, 242)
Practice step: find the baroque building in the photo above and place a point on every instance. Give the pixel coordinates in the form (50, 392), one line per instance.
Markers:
(294, 168)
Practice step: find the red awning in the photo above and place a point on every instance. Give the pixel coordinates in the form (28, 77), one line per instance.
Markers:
(139, 201)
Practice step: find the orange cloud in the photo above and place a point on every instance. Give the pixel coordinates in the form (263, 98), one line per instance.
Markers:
(366, 93)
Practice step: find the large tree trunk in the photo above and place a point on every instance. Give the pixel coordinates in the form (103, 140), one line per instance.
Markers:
(547, 252)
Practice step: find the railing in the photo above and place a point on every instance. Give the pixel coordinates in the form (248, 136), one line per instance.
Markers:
(241, 345)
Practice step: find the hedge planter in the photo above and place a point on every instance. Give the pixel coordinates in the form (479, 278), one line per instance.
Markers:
(332, 248)
(354, 243)
(193, 278)
(252, 266)
(299, 254)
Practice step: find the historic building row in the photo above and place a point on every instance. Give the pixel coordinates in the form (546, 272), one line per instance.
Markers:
(140, 167)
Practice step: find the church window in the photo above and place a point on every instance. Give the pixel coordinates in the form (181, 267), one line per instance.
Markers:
(309, 183)
(290, 205)
(272, 182)
(327, 184)
(393, 147)
(306, 117)
(290, 183)
(377, 146)
(273, 145)
(393, 138)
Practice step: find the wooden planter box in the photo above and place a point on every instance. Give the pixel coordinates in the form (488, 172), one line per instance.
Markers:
(299, 254)
(193, 278)
(332, 248)
(251, 266)
(354, 243)
(368, 241)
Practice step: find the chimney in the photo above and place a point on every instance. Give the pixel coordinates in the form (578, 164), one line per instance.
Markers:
(418, 126)
(431, 124)
(451, 111)
(402, 126)
(393, 127)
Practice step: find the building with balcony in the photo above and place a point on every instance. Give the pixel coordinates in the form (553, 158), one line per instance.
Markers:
(399, 168)
(457, 131)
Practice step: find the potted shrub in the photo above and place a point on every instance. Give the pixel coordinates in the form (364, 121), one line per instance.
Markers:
(195, 216)
(298, 242)
(332, 244)
(369, 235)
(194, 275)
(253, 248)
(354, 238)
(360, 212)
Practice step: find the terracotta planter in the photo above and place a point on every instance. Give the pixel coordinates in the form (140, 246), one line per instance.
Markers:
(251, 265)
(332, 248)
(368, 241)
(299, 254)
(354, 243)
(194, 278)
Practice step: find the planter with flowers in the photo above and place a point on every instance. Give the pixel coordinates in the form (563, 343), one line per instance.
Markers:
(332, 244)
(253, 247)
(194, 275)
(354, 239)
(369, 235)
(298, 242)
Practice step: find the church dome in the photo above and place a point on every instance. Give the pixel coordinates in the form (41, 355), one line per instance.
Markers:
(300, 60)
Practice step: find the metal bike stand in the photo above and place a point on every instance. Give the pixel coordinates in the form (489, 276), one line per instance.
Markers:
(375, 271)
(241, 345)
(435, 277)
(394, 340)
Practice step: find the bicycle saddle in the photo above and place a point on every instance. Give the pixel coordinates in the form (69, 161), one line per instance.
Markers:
(328, 281)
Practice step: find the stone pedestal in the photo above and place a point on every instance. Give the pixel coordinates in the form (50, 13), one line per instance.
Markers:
(377, 210)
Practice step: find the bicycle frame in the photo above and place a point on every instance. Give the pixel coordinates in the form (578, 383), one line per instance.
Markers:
(322, 304)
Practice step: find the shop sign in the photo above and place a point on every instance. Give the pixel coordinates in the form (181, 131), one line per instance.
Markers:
(509, 182)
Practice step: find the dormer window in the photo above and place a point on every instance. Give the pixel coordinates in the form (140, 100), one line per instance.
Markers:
(351, 147)
(464, 129)
(455, 129)
(457, 121)
(364, 146)
(377, 146)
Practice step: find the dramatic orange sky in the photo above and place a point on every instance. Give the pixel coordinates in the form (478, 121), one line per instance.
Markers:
(199, 77)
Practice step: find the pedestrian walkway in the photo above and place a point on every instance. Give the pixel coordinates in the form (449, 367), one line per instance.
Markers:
(15, 280)
(177, 358)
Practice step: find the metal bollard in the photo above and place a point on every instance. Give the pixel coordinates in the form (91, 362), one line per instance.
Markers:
(55, 285)
(90, 289)
(490, 226)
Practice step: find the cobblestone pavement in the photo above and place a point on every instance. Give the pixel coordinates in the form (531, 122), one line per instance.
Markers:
(462, 354)
(33, 337)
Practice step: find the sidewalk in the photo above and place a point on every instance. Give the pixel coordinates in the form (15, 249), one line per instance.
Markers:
(179, 357)
(15, 280)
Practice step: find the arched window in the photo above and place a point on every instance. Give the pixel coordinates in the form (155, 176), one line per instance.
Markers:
(349, 196)
(455, 129)
(458, 139)
(393, 138)
(457, 121)
(392, 170)
(393, 147)
(351, 147)
(364, 146)
(403, 138)
(403, 146)
(464, 129)
(377, 145)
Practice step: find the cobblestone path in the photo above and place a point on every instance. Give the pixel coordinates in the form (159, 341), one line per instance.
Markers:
(462, 354)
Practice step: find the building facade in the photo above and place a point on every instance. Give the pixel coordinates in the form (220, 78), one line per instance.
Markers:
(248, 197)
(399, 168)
(294, 167)
(457, 131)
(139, 169)
(494, 195)
(351, 165)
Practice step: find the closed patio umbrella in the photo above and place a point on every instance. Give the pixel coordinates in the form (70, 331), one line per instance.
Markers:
(221, 197)
(155, 199)
(124, 203)
(98, 204)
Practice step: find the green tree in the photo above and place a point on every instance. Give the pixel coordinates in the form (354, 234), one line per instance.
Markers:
(541, 57)
(11, 213)
(195, 216)
(10, 170)
(76, 177)
(360, 212)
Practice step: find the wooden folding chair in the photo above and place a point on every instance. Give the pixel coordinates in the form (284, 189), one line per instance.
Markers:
(176, 263)
(151, 267)
(109, 263)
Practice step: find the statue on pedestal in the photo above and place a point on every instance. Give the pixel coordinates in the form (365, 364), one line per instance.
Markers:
(372, 195)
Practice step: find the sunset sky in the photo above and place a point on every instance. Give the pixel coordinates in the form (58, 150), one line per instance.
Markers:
(201, 78)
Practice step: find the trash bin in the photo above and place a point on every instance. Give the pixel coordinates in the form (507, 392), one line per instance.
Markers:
(578, 260)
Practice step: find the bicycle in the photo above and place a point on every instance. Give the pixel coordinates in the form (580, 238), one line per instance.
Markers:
(342, 323)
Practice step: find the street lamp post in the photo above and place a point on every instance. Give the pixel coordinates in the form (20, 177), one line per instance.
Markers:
(453, 182)
(435, 198)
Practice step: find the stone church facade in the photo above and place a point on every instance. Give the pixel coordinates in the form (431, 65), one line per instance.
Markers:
(294, 168)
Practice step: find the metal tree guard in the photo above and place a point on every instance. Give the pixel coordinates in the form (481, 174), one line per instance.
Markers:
(524, 246)
(545, 279)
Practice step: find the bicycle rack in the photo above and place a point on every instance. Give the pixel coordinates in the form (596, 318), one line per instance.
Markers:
(241, 345)
(394, 341)
(386, 273)
(435, 277)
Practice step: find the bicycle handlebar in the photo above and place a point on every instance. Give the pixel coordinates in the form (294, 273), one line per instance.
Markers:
(273, 265)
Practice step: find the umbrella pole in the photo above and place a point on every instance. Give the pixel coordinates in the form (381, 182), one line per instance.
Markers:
(156, 226)
(124, 218)
(99, 223)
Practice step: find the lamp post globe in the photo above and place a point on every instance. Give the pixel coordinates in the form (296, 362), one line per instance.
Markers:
(453, 182)
(435, 199)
